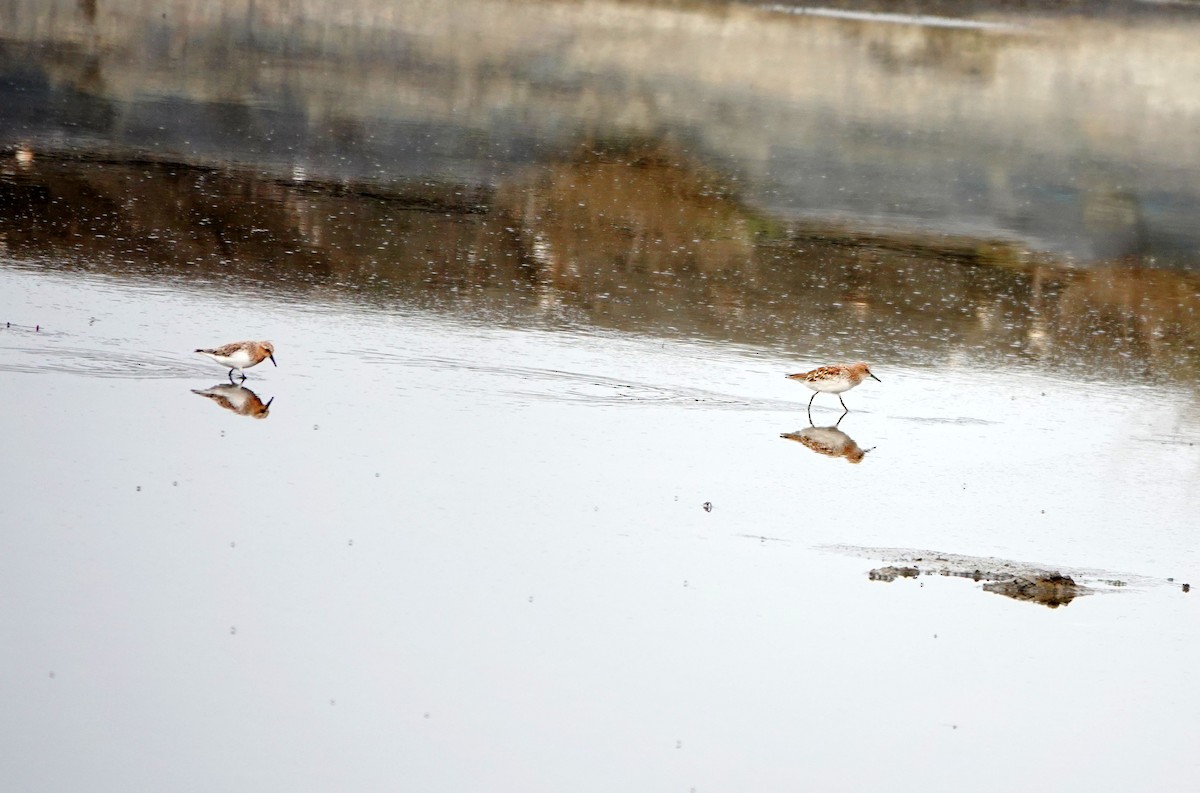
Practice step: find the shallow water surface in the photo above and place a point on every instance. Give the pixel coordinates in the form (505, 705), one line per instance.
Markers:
(528, 503)
(454, 552)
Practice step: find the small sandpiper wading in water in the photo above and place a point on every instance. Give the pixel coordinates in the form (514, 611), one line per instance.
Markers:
(241, 355)
(833, 380)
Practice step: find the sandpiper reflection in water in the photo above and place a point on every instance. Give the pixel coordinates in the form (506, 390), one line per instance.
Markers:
(830, 441)
(238, 398)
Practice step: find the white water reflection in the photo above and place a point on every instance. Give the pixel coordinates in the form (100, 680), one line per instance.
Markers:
(423, 573)
(920, 20)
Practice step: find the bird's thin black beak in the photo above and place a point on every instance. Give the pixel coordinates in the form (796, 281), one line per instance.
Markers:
(268, 405)
(876, 379)
(272, 357)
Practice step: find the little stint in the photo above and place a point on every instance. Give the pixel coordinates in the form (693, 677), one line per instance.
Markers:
(241, 355)
(834, 380)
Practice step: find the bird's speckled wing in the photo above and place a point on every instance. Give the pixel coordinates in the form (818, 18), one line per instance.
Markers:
(227, 350)
(823, 373)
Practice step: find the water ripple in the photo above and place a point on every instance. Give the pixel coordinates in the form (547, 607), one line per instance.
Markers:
(92, 362)
(560, 385)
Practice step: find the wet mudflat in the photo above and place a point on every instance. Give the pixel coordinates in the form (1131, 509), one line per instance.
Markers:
(528, 503)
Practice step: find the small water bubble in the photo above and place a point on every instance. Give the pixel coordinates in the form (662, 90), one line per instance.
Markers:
(139, 488)
(316, 426)
(708, 506)
(233, 545)
(427, 714)
(679, 744)
(175, 484)
(51, 674)
(233, 630)
(531, 598)
(685, 583)
(350, 542)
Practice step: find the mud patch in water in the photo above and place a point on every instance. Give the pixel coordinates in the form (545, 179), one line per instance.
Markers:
(1049, 586)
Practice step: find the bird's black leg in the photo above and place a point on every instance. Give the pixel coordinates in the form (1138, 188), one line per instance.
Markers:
(231, 375)
(846, 409)
(810, 401)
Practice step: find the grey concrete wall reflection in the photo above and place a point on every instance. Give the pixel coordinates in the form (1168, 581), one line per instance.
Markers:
(1070, 134)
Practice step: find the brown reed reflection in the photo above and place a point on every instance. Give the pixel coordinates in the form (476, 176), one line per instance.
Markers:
(628, 235)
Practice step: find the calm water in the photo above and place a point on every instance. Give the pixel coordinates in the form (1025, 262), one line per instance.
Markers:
(514, 511)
